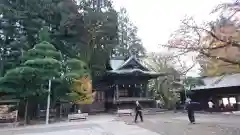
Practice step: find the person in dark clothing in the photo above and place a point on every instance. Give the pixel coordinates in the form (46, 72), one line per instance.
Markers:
(190, 111)
(221, 106)
(177, 106)
(138, 110)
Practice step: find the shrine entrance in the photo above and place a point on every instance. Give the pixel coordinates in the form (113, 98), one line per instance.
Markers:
(128, 84)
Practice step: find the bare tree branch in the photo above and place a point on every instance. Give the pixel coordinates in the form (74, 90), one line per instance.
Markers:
(193, 43)
(234, 62)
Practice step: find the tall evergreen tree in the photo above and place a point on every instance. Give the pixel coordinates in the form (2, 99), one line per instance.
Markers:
(39, 64)
(128, 41)
(19, 25)
(85, 29)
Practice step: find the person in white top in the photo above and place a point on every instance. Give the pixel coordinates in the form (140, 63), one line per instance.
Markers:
(187, 100)
(210, 106)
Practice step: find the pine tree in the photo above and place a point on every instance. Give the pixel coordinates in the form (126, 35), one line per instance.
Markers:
(39, 64)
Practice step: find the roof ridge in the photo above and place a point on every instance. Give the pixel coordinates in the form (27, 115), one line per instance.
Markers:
(133, 57)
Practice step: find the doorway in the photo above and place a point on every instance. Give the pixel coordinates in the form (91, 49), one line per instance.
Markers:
(228, 103)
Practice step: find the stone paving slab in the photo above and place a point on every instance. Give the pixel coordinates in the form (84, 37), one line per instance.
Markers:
(91, 120)
(178, 124)
(163, 124)
(47, 130)
(83, 131)
(98, 128)
(237, 113)
(121, 128)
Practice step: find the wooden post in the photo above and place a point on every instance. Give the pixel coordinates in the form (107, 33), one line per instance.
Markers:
(117, 92)
(117, 96)
(16, 117)
(114, 96)
(141, 91)
(144, 90)
(26, 112)
(60, 111)
(238, 103)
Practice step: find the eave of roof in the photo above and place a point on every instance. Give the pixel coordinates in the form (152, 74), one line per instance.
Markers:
(136, 72)
(231, 80)
(134, 58)
(140, 70)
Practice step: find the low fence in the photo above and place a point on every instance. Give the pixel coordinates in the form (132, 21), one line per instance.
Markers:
(8, 114)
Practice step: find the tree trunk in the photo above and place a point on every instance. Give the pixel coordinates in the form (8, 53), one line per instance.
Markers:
(26, 113)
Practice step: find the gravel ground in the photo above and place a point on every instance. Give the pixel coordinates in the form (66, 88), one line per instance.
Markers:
(177, 124)
(161, 124)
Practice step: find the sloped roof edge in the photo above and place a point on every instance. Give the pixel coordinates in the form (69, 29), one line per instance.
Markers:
(130, 59)
(224, 81)
(135, 70)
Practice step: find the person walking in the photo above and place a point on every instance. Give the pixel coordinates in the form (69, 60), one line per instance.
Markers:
(210, 106)
(190, 110)
(177, 106)
(138, 110)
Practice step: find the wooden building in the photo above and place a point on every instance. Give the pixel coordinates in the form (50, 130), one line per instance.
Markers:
(124, 84)
(224, 91)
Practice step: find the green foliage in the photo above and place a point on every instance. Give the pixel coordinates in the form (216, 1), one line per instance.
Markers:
(64, 39)
(28, 81)
(164, 87)
(44, 35)
(76, 30)
(76, 69)
(76, 64)
(70, 87)
(191, 82)
(45, 58)
(43, 50)
(35, 69)
(129, 42)
(22, 82)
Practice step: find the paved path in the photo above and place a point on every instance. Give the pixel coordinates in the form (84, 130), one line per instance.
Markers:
(161, 124)
(110, 128)
(101, 126)
(178, 124)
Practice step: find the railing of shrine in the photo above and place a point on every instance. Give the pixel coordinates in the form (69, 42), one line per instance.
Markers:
(125, 99)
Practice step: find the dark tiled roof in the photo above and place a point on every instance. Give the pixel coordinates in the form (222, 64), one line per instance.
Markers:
(230, 80)
(131, 66)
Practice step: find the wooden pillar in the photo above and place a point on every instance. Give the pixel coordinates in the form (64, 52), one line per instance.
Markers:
(238, 102)
(140, 90)
(114, 96)
(144, 90)
(60, 113)
(117, 92)
(146, 93)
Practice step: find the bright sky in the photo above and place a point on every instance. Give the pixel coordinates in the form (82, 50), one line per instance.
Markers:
(157, 19)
